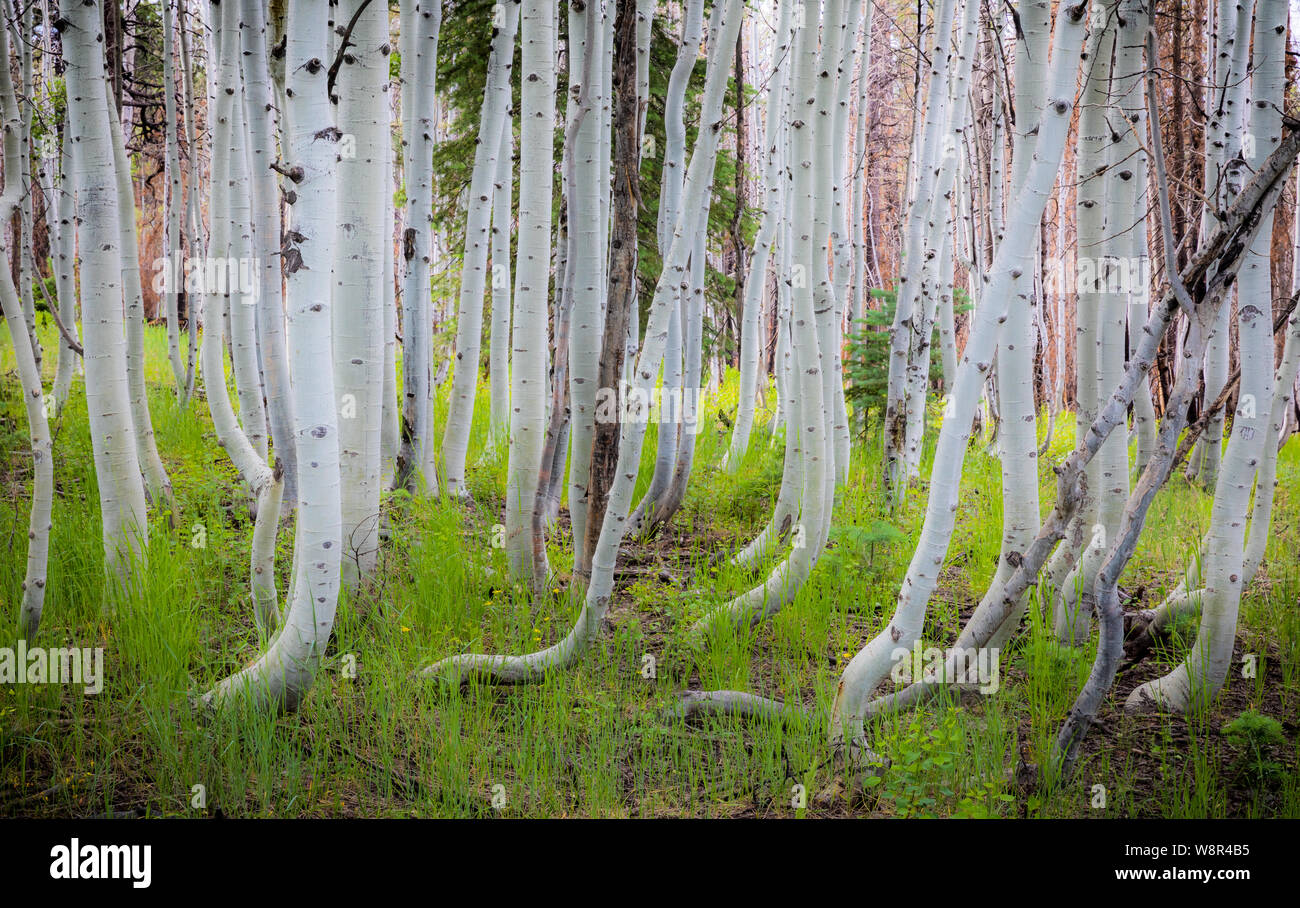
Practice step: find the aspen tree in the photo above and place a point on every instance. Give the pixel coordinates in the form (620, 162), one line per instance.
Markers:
(29, 375)
(360, 247)
(528, 363)
(282, 676)
(421, 25)
(692, 211)
(873, 662)
(157, 484)
(493, 118)
(108, 396)
(1197, 680)
(670, 192)
(929, 142)
(758, 260)
(173, 204)
(260, 116)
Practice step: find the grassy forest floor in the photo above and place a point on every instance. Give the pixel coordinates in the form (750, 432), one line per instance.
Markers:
(595, 740)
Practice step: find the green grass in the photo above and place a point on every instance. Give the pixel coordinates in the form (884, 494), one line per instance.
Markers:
(592, 740)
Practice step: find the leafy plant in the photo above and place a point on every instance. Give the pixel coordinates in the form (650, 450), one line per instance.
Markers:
(1252, 734)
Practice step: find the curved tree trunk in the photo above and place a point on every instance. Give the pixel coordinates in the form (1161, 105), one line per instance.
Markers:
(282, 676)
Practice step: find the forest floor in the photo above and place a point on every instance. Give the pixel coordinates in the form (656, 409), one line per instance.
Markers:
(598, 739)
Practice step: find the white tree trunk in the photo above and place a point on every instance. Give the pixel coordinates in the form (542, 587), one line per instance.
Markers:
(528, 365)
(359, 252)
(929, 146)
(63, 242)
(29, 373)
(422, 24)
(108, 397)
(693, 210)
(282, 676)
(1072, 622)
(157, 483)
(584, 266)
(259, 114)
(670, 193)
(756, 282)
(1223, 138)
(499, 351)
(811, 424)
(469, 320)
(174, 207)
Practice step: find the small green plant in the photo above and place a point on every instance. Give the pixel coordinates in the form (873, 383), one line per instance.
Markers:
(867, 368)
(923, 766)
(1251, 735)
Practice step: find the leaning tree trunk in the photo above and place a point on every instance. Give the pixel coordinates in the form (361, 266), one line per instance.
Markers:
(873, 663)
